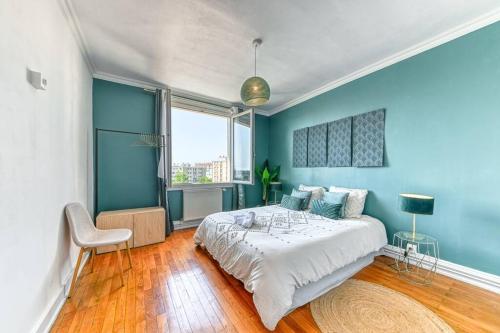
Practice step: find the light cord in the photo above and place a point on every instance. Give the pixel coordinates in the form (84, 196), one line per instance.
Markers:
(255, 60)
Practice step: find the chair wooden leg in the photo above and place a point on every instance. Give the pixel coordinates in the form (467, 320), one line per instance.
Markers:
(75, 273)
(129, 255)
(120, 262)
(92, 257)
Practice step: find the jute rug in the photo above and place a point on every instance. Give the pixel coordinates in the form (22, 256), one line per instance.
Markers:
(358, 307)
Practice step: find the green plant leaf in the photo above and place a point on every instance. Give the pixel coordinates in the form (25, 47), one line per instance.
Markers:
(266, 176)
(258, 171)
(275, 174)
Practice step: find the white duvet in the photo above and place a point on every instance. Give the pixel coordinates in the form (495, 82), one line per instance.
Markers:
(285, 250)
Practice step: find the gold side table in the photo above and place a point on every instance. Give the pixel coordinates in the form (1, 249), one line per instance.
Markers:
(417, 257)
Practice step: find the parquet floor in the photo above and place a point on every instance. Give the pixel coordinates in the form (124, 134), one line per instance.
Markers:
(176, 287)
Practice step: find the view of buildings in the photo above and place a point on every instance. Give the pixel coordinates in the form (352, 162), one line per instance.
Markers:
(201, 172)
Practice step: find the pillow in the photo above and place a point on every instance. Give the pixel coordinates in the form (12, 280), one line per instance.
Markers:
(316, 192)
(290, 202)
(306, 195)
(337, 198)
(355, 201)
(326, 209)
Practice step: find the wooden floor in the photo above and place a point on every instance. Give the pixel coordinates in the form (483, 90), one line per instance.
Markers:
(176, 287)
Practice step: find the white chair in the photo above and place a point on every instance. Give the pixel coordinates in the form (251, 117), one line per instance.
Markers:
(88, 237)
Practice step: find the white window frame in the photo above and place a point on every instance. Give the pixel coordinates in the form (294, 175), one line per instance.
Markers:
(251, 112)
(193, 105)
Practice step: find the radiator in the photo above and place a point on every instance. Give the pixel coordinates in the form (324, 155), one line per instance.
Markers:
(198, 203)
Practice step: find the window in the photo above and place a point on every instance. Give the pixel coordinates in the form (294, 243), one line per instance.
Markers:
(242, 147)
(209, 145)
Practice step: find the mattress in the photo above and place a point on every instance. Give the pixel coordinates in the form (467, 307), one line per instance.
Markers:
(286, 250)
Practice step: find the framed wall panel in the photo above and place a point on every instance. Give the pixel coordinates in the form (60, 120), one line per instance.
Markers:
(368, 139)
(339, 143)
(300, 148)
(316, 146)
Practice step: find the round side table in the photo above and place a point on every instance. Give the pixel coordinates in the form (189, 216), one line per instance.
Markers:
(417, 257)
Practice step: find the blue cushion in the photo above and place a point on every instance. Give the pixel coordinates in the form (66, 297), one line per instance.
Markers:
(337, 198)
(306, 195)
(326, 209)
(290, 202)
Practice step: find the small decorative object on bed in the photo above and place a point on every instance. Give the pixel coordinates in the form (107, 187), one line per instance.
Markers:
(267, 176)
(355, 201)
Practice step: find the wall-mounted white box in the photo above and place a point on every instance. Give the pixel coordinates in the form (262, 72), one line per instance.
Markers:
(37, 80)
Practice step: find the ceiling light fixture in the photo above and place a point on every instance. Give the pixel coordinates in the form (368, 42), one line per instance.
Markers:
(255, 91)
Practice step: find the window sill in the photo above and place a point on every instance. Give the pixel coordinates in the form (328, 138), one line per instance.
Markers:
(199, 186)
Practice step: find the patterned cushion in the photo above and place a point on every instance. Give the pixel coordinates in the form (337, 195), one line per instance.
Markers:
(290, 202)
(338, 198)
(306, 195)
(326, 209)
(355, 201)
(317, 192)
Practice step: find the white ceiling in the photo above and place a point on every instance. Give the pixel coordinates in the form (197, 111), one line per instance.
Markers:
(205, 46)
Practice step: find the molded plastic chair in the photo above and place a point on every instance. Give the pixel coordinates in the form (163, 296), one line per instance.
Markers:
(88, 237)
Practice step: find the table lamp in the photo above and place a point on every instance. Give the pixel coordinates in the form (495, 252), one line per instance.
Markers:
(416, 204)
(275, 187)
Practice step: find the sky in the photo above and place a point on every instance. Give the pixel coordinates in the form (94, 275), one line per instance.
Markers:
(198, 137)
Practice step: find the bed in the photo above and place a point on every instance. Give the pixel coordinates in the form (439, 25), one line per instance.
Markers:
(288, 258)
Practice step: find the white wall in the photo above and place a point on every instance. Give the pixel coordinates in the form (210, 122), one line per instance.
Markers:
(44, 149)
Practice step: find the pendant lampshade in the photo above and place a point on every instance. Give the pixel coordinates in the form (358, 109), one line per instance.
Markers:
(255, 91)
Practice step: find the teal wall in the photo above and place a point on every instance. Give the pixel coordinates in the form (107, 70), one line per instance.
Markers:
(254, 193)
(442, 138)
(127, 175)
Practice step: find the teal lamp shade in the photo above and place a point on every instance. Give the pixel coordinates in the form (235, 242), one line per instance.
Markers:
(255, 91)
(417, 204)
(275, 186)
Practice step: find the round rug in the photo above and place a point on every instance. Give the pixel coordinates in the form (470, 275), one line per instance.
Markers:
(357, 306)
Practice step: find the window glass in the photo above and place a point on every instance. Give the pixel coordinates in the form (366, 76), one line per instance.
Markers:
(199, 143)
(242, 148)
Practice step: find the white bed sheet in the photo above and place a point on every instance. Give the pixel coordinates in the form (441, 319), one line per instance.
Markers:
(286, 250)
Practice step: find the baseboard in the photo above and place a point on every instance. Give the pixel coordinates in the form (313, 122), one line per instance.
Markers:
(179, 225)
(465, 274)
(48, 320)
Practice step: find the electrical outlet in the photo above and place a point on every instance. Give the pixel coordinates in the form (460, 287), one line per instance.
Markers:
(411, 248)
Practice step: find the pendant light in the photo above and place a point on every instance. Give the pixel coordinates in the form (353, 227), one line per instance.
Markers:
(255, 90)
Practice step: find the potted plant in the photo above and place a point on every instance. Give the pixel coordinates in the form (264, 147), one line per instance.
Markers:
(267, 175)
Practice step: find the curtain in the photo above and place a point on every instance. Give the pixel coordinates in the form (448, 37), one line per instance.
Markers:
(162, 106)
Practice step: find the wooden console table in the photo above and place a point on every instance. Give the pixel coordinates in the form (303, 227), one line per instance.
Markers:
(147, 225)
